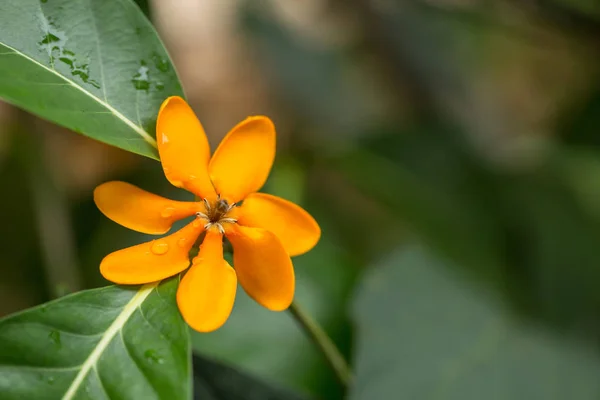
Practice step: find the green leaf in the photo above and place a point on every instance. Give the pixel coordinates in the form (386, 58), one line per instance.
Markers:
(424, 333)
(108, 343)
(97, 68)
(216, 381)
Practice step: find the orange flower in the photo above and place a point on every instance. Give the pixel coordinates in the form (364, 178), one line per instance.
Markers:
(264, 230)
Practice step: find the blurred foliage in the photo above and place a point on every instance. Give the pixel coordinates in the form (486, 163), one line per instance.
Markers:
(215, 381)
(463, 345)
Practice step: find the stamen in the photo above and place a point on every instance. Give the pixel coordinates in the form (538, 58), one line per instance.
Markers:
(202, 215)
(216, 214)
(207, 205)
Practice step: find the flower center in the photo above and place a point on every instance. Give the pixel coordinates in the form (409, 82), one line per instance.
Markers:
(216, 214)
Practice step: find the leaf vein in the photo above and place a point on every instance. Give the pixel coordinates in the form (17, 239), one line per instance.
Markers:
(108, 336)
(148, 379)
(54, 328)
(38, 368)
(138, 129)
(147, 321)
(100, 381)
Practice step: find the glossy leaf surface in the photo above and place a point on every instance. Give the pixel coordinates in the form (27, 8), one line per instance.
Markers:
(108, 343)
(96, 67)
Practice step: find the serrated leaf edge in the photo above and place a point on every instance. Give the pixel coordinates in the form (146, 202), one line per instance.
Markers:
(110, 333)
(138, 129)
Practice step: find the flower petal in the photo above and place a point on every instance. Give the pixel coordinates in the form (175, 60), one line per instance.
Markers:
(244, 158)
(152, 261)
(263, 266)
(183, 147)
(207, 291)
(297, 229)
(139, 210)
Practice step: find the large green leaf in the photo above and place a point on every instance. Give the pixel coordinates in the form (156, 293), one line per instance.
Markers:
(106, 343)
(423, 333)
(97, 67)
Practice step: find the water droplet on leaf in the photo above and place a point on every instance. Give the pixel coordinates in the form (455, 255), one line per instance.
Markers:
(159, 247)
(161, 63)
(141, 78)
(153, 356)
(53, 42)
(50, 380)
(54, 337)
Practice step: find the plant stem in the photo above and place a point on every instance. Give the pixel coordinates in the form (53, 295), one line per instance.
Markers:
(333, 356)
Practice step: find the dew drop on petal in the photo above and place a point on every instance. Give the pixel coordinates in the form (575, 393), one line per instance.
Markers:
(182, 242)
(196, 223)
(167, 212)
(159, 247)
(165, 139)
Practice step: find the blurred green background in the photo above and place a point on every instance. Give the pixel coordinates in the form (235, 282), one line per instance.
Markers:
(450, 150)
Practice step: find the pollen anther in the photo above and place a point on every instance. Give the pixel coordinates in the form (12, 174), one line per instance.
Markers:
(216, 214)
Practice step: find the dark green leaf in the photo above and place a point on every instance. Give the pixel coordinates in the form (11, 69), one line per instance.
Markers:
(425, 334)
(97, 67)
(215, 381)
(108, 343)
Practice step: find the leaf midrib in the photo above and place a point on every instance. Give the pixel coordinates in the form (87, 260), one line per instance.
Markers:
(107, 337)
(114, 111)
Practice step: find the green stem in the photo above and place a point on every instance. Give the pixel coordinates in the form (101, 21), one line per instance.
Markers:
(333, 356)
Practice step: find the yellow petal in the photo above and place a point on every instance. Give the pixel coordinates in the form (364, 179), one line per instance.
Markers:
(139, 210)
(244, 158)
(263, 267)
(152, 261)
(296, 229)
(207, 291)
(183, 147)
